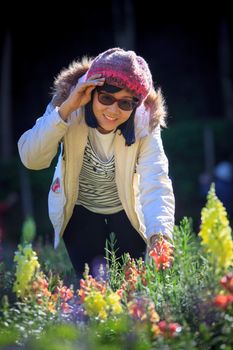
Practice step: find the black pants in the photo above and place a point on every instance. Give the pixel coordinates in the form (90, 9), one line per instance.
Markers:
(86, 233)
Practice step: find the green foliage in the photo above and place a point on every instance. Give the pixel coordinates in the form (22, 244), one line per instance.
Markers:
(55, 261)
(113, 262)
(56, 337)
(8, 336)
(22, 321)
(183, 289)
(6, 282)
(152, 300)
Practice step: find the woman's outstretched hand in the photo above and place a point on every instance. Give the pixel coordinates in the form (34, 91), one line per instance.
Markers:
(80, 95)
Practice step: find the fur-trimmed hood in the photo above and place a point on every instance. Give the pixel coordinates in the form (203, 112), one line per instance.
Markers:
(153, 107)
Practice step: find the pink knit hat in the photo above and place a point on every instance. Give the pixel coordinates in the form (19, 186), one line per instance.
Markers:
(123, 69)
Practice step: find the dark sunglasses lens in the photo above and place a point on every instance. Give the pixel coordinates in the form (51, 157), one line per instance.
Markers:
(106, 99)
(126, 105)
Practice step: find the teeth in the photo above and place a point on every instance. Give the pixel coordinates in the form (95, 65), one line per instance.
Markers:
(110, 118)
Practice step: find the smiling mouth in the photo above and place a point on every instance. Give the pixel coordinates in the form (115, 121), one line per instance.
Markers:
(110, 118)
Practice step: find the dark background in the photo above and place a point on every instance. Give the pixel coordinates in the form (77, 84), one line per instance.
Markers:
(185, 51)
(182, 50)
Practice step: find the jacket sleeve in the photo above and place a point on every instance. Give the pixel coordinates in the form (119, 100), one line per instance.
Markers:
(38, 146)
(155, 187)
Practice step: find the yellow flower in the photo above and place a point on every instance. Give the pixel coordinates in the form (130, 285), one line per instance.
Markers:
(95, 304)
(103, 315)
(113, 301)
(216, 232)
(51, 307)
(26, 266)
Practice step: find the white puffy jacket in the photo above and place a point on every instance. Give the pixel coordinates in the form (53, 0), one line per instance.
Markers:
(143, 184)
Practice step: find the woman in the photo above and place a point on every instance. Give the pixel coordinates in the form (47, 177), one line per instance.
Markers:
(112, 172)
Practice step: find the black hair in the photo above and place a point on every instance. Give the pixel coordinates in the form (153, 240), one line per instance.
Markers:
(126, 128)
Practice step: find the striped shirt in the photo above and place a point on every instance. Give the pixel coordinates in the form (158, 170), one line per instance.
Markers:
(97, 186)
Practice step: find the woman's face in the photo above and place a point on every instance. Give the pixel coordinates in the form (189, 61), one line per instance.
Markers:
(109, 117)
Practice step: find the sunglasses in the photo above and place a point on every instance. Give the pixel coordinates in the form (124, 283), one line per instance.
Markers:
(125, 104)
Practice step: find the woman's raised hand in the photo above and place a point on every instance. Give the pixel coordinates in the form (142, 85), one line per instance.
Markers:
(80, 95)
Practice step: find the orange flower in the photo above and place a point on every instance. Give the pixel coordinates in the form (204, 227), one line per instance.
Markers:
(40, 287)
(82, 295)
(51, 307)
(155, 330)
(88, 284)
(133, 274)
(121, 291)
(143, 309)
(154, 317)
(43, 282)
(162, 254)
(223, 301)
(54, 297)
(65, 293)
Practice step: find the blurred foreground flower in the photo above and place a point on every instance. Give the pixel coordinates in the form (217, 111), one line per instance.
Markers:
(223, 301)
(227, 282)
(169, 329)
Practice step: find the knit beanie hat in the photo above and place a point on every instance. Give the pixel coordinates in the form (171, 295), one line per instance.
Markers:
(123, 69)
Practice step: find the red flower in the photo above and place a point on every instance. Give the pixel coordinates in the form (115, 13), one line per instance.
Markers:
(162, 254)
(223, 301)
(169, 329)
(227, 282)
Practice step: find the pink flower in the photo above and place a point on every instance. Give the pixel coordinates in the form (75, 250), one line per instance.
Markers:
(169, 329)
(66, 308)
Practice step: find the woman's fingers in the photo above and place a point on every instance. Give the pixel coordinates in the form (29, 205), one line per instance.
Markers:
(81, 95)
(95, 79)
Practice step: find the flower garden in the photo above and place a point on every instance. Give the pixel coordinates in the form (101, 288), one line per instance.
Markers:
(180, 299)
